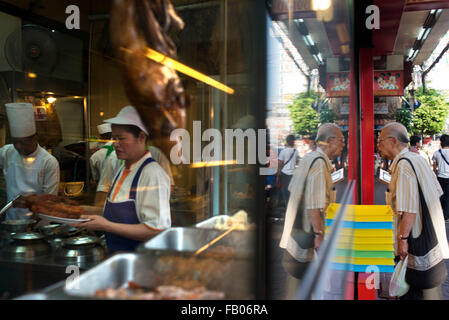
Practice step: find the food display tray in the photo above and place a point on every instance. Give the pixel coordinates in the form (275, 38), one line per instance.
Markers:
(234, 278)
(189, 240)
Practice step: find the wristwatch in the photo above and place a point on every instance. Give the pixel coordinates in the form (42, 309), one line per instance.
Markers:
(401, 237)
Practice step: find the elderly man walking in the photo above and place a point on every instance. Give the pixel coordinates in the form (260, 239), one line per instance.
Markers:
(311, 192)
(419, 228)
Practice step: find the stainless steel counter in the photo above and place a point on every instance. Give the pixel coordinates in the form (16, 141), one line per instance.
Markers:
(231, 272)
(21, 277)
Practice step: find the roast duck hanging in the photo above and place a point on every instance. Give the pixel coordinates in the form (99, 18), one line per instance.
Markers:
(152, 87)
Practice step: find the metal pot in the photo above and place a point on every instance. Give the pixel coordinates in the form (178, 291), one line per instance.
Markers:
(80, 250)
(27, 246)
(11, 227)
(57, 233)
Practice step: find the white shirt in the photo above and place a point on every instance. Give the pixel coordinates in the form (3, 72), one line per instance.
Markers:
(112, 165)
(285, 154)
(443, 167)
(37, 173)
(97, 162)
(153, 193)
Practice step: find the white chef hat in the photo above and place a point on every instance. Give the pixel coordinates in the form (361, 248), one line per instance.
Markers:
(128, 116)
(21, 119)
(104, 128)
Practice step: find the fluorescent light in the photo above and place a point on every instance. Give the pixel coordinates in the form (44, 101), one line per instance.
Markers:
(415, 54)
(426, 34)
(421, 32)
(301, 20)
(320, 57)
(410, 53)
(213, 163)
(306, 40)
(178, 66)
(310, 40)
(439, 11)
(432, 11)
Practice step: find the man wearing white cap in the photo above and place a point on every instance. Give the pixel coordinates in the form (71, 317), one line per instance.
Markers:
(98, 159)
(28, 168)
(138, 203)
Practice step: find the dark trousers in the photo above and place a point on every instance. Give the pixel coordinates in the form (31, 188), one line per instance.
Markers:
(285, 181)
(423, 294)
(444, 183)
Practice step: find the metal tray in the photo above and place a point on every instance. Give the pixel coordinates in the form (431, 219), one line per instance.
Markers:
(234, 278)
(189, 240)
(212, 222)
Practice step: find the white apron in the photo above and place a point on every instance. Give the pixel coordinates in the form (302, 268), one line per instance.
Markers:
(22, 177)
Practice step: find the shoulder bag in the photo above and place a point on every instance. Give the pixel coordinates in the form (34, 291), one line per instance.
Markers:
(419, 247)
(306, 240)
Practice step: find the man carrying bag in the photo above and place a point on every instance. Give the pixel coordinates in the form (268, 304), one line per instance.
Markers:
(419, 228)
(311, 191)
(288, 159)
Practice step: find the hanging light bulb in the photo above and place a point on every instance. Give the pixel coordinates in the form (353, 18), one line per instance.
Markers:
(321, 5)
(51, 100)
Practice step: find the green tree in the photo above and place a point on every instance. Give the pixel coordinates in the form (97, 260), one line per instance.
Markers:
(430, 117)
(327, 116)
(404, 116)
(305, 118)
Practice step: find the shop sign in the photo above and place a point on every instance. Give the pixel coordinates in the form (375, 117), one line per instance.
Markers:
(389, 83)
(40, 113)
(337, 84)
(386, 83)
(381, 108)
(344, 108)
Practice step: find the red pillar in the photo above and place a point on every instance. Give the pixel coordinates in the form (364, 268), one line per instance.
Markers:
(353, 129)
(367, 147)
(367, 125)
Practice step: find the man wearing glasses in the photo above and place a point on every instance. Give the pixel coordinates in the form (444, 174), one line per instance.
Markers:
(419, 227)
(311, 192)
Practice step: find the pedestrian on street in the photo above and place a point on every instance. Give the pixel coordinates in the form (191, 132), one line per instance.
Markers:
(419, 228)
(288, 158)
(312, 191)
(441, 168)
(416, 147)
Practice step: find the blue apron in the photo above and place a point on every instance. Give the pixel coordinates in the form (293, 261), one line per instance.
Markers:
(123, 212)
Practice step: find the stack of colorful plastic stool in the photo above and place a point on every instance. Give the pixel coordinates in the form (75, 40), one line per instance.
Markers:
(365, 242)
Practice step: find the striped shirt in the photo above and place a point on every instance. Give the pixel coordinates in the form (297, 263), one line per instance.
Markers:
(404, 192)
(318, 195)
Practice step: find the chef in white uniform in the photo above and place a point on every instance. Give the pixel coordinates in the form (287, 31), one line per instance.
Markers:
(98, 159)
(27, 167)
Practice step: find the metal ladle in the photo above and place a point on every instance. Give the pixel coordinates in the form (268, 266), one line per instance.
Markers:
(8, 205)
